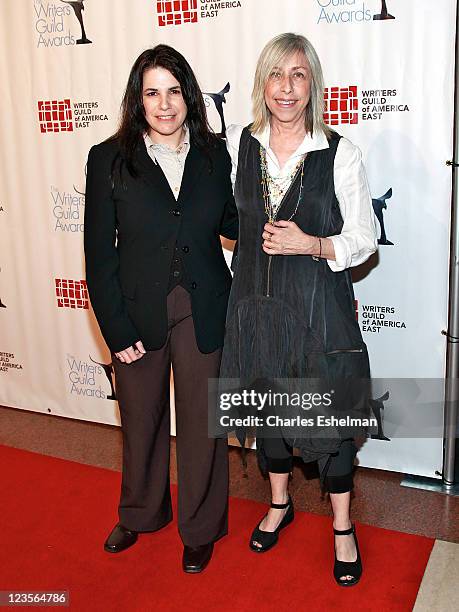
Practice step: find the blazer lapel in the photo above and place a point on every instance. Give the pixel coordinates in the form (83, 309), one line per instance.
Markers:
(194, 165)
(152, 172)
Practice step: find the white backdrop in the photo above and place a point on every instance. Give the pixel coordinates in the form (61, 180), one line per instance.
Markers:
(392, 80)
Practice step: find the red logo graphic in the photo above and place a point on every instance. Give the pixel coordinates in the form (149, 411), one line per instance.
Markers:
(55, 116)
(341, 105)
(175, 12)
(356, 308)
(72, 294)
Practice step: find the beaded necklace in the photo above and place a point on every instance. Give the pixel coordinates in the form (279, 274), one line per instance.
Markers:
(278, 187)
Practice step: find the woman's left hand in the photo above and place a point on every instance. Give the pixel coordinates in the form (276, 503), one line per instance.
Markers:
(286, 238)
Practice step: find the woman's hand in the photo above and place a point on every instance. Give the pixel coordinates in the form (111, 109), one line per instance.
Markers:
(286, 238)
(132, 353)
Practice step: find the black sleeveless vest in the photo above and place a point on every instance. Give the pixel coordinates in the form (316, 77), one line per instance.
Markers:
(290, 316)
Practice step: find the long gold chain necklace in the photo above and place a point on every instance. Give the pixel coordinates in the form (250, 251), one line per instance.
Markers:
(270, 186)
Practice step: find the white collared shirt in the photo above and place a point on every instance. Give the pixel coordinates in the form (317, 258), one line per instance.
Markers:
(358, 238)
(172, 161)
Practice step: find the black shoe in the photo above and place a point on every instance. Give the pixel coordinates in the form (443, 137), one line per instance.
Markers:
(120, 539)
(195, 560)
(348, 568)
(268, 539)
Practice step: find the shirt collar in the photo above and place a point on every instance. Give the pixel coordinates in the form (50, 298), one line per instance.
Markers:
(153, 147)
(316, 142)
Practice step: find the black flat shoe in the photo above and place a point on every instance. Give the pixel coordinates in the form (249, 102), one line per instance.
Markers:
(196, 559)
(120, 539)
(268, 539)
(348, 568)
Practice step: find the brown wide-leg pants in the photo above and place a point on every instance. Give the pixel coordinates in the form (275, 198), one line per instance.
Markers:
(202, 463)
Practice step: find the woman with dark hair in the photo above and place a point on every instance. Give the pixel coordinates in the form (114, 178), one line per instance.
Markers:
(158, 196)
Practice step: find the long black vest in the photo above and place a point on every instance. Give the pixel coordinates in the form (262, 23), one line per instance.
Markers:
(292, 317)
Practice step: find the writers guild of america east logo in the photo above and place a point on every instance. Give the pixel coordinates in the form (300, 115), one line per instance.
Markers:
(179, 12)
(218, 99)
(384, 13)
(379, 204)
(64, 115)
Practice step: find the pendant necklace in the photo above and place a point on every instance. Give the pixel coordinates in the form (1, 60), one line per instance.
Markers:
(279, 188)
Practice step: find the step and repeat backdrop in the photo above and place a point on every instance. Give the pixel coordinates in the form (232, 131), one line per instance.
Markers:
(389, 74)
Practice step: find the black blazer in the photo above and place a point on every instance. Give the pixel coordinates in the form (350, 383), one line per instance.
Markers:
(132, 226)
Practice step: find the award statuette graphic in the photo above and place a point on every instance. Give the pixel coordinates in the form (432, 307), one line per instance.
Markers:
(379, 204)
(78, 8)
(377, 407)
(219, 99)
(383, 14)
(109, 371)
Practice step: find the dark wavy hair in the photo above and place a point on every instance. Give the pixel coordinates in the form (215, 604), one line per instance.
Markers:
(133, 123)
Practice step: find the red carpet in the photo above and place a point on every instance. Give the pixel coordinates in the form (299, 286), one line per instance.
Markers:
(56, 514)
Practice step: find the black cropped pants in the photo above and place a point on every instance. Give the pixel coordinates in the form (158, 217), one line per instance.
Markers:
(335, 469)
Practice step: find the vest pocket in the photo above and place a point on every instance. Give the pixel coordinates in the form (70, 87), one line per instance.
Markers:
(350, 350)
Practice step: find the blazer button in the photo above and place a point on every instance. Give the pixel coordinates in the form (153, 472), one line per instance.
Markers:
(176, 212)
(193, 285)
(186, 249)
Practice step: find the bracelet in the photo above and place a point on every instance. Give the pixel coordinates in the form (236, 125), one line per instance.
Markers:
(320, 250)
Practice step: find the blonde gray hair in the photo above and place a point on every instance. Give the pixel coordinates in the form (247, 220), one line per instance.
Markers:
(273, 54)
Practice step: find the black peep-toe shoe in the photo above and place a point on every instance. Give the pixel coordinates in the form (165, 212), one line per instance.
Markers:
(268, 539)
(348, 568)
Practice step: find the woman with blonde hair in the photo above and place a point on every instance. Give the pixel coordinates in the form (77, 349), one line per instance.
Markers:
(305, 218)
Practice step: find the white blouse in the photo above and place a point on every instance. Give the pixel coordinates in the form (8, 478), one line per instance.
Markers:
(358, 238)
(172, 162)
